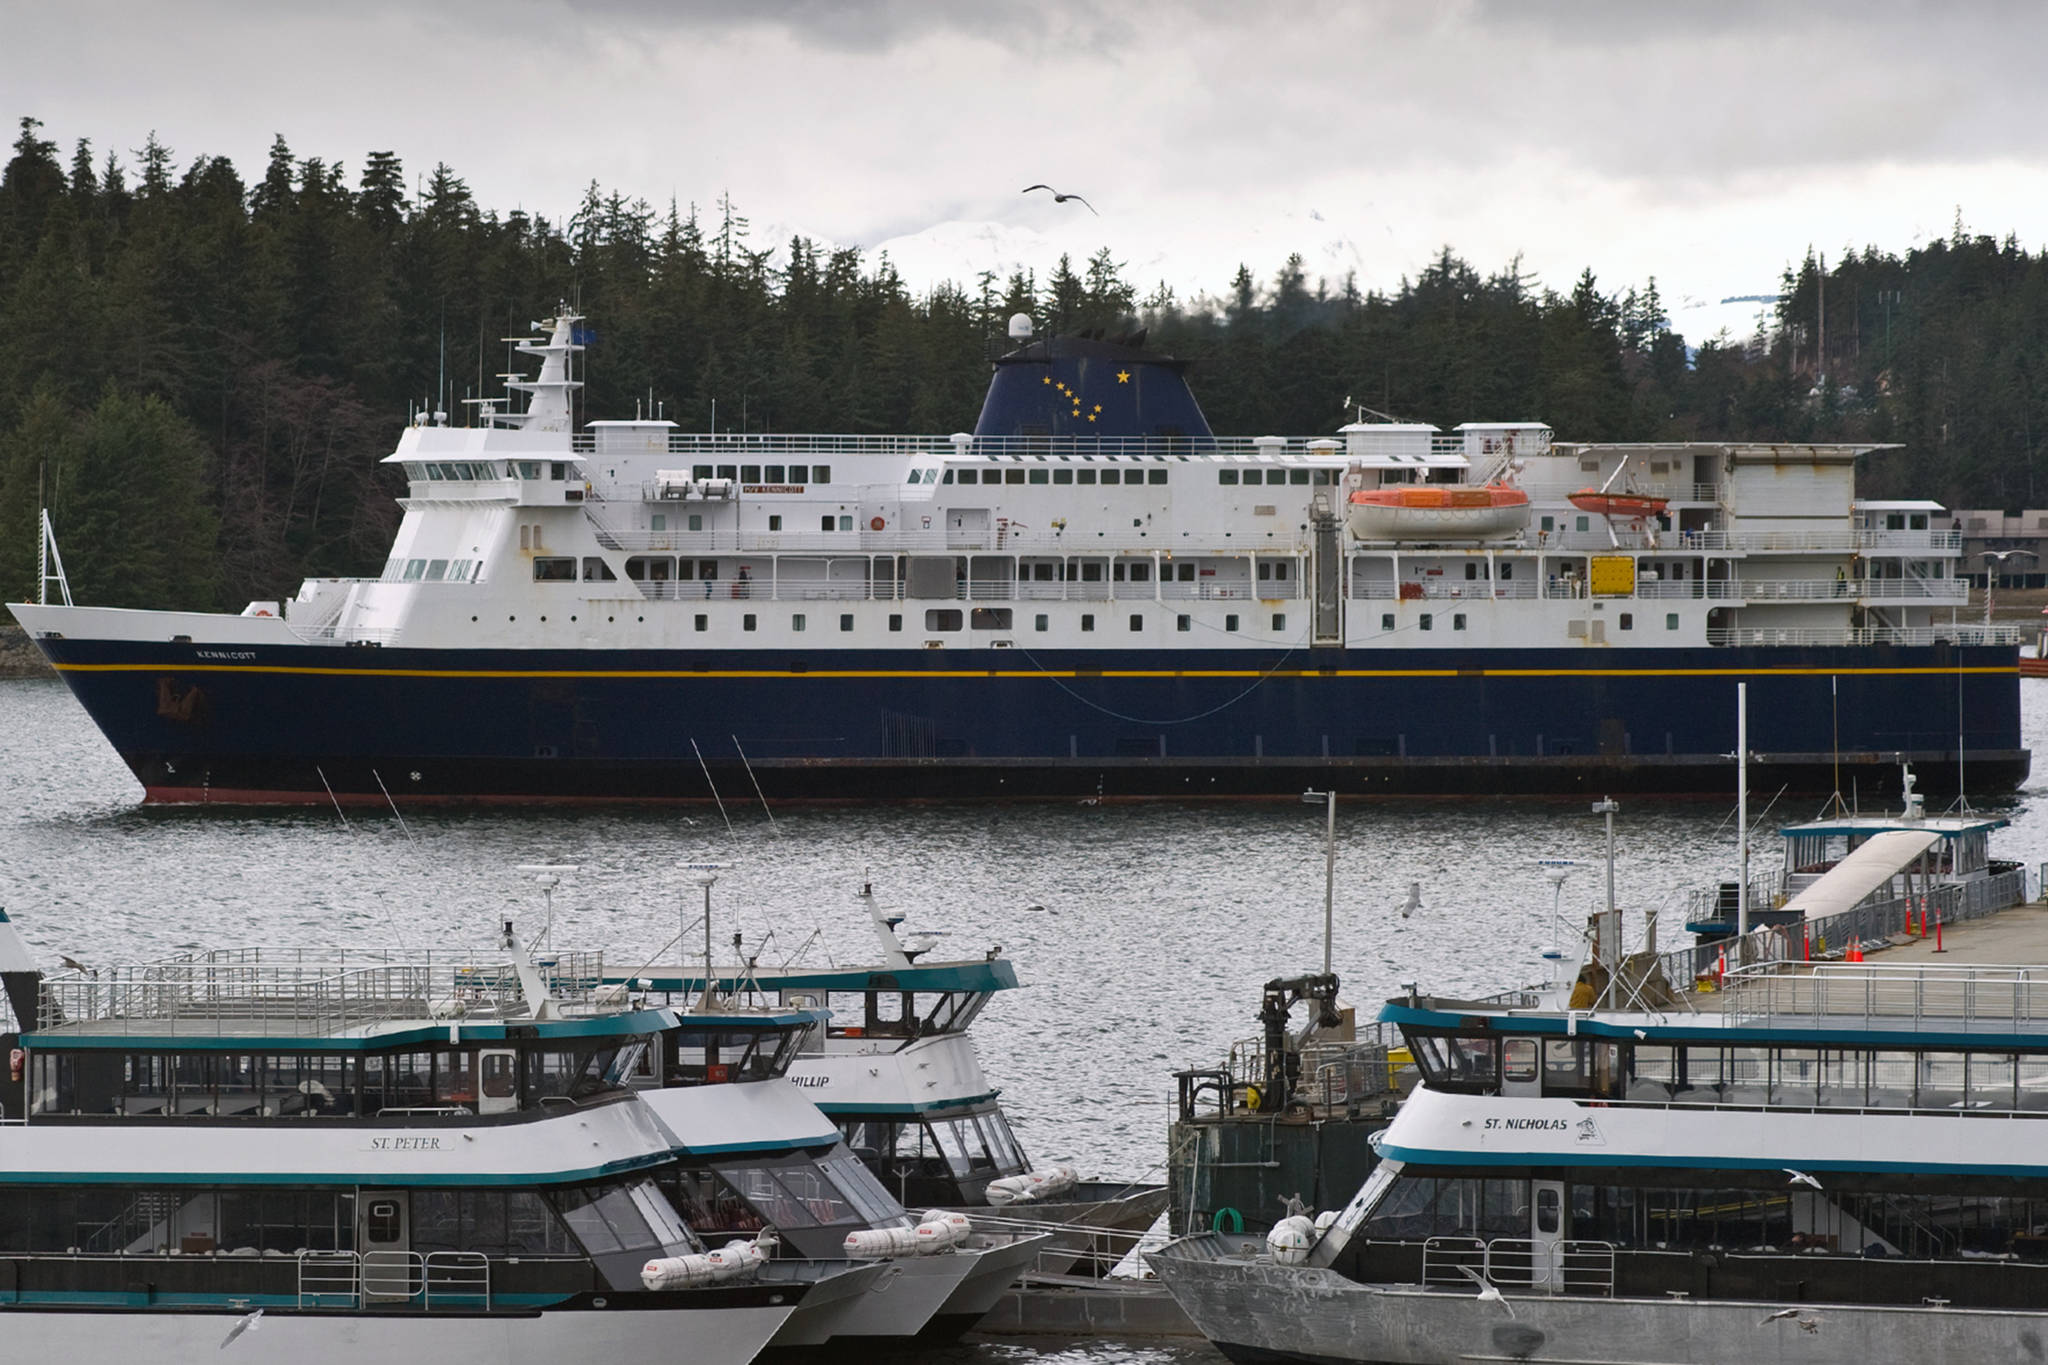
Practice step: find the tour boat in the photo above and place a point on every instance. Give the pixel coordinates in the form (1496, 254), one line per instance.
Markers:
(899, 1083)
(328, 1155)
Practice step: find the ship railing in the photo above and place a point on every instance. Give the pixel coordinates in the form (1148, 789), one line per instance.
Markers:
(1442, 589)
(1568, 1266)
(1325, 1075)
(455, 1281)
(1848, 590)
(1950, 633)
(1693, 589)
(1032, 543)
(810, 447)
(231, 992)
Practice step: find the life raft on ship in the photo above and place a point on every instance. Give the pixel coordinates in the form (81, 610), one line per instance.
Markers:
(1629, 506)
(1491, 511)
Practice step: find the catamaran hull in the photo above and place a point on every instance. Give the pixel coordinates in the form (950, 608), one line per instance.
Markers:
(285, 724)
(1257, 1311)
(84, 1336)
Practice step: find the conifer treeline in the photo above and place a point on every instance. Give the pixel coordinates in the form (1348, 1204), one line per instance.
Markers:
(198, 375)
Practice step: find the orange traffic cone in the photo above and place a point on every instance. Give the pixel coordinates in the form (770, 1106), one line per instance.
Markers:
(1855, 950)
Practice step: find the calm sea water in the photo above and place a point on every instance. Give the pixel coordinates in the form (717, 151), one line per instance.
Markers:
(1142, 932)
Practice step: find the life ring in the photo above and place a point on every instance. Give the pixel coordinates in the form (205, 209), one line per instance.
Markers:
(876, 524)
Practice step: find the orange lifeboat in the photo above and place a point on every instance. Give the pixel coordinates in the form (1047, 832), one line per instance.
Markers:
(1631, 506)
(1438, 512)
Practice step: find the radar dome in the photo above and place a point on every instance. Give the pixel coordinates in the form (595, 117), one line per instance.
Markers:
(1020, 326)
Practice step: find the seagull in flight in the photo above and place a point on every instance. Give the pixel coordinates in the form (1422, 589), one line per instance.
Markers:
(1488, 1293)
(248, 1322)
(1800, 1178)
(71, 963)
(1059, 198)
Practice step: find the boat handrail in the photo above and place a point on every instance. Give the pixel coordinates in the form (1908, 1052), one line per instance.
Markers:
(296, 991)
(1827, 939)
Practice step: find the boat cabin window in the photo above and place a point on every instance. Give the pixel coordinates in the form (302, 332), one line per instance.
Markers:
(1457, 1062)
(554, 569)
(717, 1056)
(744, 1194)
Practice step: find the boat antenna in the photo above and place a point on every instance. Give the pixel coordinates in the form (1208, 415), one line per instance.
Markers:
(547, 876)
(757, 787)
(705, 875)
(714, 787)
(1835, 703)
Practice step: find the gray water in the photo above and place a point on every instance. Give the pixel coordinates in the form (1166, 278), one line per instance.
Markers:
(1142, 933)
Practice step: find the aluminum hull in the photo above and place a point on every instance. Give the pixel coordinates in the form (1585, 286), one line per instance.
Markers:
(1253, 1310)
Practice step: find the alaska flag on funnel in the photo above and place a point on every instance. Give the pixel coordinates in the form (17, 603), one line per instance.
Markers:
(1084, 386)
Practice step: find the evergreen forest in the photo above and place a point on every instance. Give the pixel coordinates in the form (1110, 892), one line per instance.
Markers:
(199, 373)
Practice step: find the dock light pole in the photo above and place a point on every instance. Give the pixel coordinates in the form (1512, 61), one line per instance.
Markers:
(1329, 800)
(705, 875)
(1608, 806)
(1994, 565)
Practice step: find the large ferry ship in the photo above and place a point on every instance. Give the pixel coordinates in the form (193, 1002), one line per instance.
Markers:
(1089, 595)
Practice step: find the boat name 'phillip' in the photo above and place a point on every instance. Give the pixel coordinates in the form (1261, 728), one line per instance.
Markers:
(810, 1081)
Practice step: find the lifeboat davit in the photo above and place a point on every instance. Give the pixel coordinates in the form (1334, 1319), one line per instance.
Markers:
(1429, 511)
(1631, 506)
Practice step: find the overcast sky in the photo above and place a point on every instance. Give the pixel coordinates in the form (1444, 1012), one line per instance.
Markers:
(1705, 144)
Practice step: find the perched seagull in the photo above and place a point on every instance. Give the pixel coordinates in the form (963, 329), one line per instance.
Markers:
(1059, 198)
(248, 1322)
(1487, 1292)
(1800, 1178)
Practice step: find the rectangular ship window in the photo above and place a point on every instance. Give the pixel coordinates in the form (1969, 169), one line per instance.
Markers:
(990, 618)
(1227, 477)
(1084, 476)
(1230, 622)
(846, 621)
(943, 618)
(1041, 622)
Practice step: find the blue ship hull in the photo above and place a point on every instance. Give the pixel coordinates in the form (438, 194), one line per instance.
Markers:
(304, 723)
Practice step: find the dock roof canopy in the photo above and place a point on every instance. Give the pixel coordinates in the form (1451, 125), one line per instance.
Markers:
(1848, 883)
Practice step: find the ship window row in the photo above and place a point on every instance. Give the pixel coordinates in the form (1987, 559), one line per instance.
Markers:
(1866, 1216)
(142, 1220)
(764, 473)
(259, 1085)
(977, 1146)
(1300, 478)
(743, 1195)
(430, 570)
(1040, 475)
(1695, 1073)
(712, 1056)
